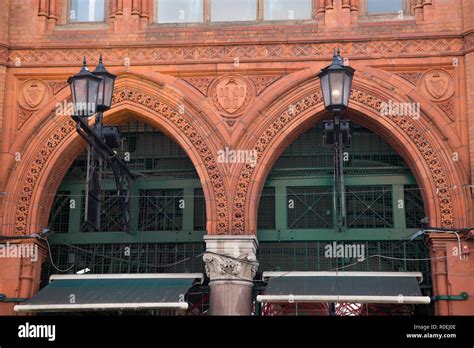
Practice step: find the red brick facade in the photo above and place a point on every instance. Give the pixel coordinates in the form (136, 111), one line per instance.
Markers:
(164, 68)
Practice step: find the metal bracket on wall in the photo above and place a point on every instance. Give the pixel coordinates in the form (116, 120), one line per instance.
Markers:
(463, 296)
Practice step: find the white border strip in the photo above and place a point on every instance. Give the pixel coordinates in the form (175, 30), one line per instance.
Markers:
(100, 306)
(268, 275)
(199, 276)
(337, 298)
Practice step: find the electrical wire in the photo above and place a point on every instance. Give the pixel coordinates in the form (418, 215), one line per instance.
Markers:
(52, 262)
(396, 258)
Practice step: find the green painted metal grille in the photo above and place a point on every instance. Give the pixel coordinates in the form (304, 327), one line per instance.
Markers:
(161, 210)
(311, 256)
(310, 207)
(59, 218)
(149, 153)
(126, 258)
(368, 155)
(110, 213)
(414, 206)
(266, 209)
(199, 210)
(369, 207)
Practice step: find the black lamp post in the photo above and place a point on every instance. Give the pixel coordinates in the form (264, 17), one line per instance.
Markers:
(92, 94)
(336, 84)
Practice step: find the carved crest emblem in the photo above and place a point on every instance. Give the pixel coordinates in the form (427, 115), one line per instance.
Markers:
(34, 92)
(437, 84)
(231, 94)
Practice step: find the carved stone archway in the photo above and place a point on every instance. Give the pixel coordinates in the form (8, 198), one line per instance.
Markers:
(50, 152)
(422, 143)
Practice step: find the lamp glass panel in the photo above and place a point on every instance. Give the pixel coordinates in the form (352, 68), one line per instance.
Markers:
(108, 90)
(325, 88)
(347, 89)
(93, 94)
(80, 93)
(336, 84)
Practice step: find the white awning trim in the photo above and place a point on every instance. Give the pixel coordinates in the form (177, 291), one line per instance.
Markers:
(344, 299)
(198, 276)
(267, 275)
(101, 306)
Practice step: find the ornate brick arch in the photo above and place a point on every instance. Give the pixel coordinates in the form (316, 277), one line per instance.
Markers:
(53, 147)
(422, 143)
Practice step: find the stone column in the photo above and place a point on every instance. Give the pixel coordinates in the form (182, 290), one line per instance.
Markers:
(231, 265)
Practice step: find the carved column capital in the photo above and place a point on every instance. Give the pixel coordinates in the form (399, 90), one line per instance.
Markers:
(231, 257)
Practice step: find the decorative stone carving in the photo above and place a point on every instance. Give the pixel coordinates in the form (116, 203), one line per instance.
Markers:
(469, 43)
(227, 53)
(32, 175)
(33, 93)
(200, 83)
(437, 84)
(448, 108)
(231, 95)
(57, 86)
(23, 115)
(231, 258)
(155, 105)
(411, 77)
(280, 122)
(220, 268)
(262, 82)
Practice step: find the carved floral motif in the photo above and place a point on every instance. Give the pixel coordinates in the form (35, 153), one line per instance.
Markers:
(448, 108)
(411, 77)
(200, 83)
(57, 86)
(262, 82)
(222, 267)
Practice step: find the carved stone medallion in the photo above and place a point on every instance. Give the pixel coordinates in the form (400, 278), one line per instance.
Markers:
(33, 93)
(438, 84)
(231, 95)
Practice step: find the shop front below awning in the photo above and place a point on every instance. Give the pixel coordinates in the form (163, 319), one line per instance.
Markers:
(343, 287)
(113, 292)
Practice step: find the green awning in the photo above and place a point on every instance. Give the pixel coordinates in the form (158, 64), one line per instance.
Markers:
(112, 292)
(340, 287)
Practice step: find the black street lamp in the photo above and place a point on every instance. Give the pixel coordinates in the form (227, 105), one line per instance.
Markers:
(106, 87)
(336, 84)
(85, 91)
(92, 94)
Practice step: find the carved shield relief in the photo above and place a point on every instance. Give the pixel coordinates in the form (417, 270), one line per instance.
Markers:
(231, 95)
(33, 93)
(438, 84)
